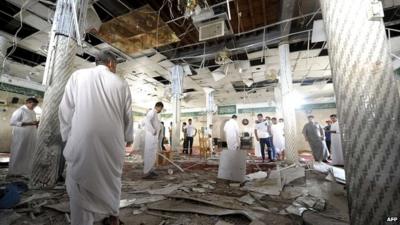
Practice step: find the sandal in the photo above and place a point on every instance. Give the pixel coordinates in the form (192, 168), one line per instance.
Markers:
(107, 221)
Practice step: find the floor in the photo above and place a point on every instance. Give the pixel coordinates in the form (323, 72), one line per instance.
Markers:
(193, 197)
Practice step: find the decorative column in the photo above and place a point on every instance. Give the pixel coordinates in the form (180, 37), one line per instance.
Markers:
(288, 109)
(4, 45)
(278, 101)
(177, 74)
(209, 105)
(368, 107)
(69, 20)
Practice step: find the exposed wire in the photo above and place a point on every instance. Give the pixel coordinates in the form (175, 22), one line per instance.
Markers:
(15, 38)
(158, 21)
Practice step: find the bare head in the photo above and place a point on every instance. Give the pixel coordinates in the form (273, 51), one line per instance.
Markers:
(106, 58)
(333, 118)
(190, 121)
(329, 122)
(159, 107)
(234, 117)
(31, 103)
(281, 120)
(310, 118)
(274, 120)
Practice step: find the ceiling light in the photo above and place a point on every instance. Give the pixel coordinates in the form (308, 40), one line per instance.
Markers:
(223, 57)
(187, 70)
(218, 74)
(248, 82)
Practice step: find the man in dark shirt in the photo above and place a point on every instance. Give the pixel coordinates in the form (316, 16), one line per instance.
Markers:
(327, 129)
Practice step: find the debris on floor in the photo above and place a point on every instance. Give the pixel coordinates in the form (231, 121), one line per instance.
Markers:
(280, 194)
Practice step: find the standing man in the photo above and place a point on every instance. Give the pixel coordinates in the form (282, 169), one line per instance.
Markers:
(315, 136)
(23, 141)
(263, 135)
(257, 150)
(191, 133)
(170, 135)
(185, 141)
(96, 122)
(210, 138)
(327, 130)
(270, 144)
(151, 146)
(232, 135)
(162, 137)
(337, 152)
(278, 138)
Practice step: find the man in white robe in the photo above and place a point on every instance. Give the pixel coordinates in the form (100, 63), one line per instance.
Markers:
(315, 136)
(232, 134)
(23, 141)
(336, 143)
(151, 146)
(96, 122)
(278, 138)
(209, 132)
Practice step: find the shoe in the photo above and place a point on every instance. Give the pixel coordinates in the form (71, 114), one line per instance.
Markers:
(154, 173)
(112, 220)
(61, 179)
(150, 176)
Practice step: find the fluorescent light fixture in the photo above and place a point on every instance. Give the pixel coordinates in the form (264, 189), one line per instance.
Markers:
(248, 82)
(218, 74)
(187, 70)
(296, 100)
(243, 65)
(318, 32)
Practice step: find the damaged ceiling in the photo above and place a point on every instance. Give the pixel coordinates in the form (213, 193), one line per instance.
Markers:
(137, 31)
(150, 36)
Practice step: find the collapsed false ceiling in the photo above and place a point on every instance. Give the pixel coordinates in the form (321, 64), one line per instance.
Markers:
(138, 30)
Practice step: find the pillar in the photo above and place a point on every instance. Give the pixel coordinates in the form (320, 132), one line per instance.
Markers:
(4, 45)
(177, 75)
(59, 67)
(288, 109)
(368, 109)
(278, 101)
(209, 105)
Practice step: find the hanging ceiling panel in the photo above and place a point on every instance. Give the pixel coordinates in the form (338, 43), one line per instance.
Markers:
(136, 31)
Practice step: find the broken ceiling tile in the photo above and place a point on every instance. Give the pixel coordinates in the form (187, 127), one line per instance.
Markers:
(137, 31)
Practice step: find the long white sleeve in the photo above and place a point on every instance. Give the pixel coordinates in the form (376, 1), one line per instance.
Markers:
(149, 126)
(66, 110)
(128, 120)
(16, 118)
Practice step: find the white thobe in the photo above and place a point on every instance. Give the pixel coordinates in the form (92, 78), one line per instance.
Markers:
(336, 145)
(151, 146)
(277, 137)
(139, 140)
(23, 141)
(257, 150)
(210, 139)
(96, 120)
(232, 135)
